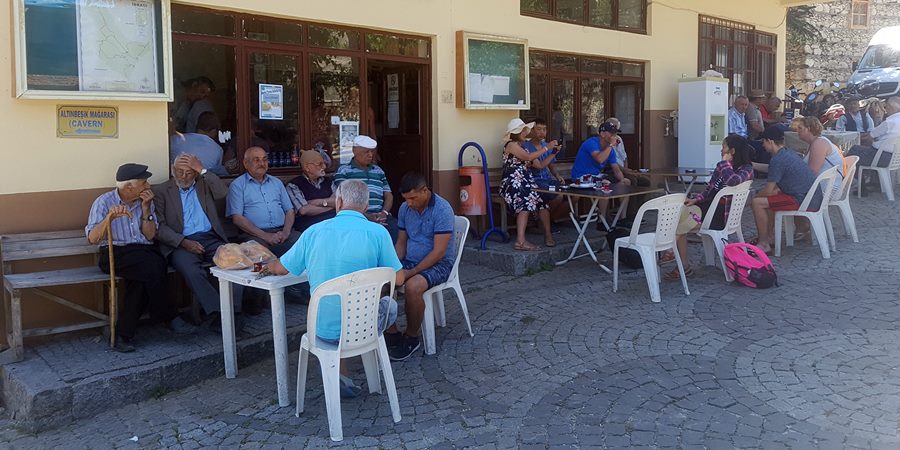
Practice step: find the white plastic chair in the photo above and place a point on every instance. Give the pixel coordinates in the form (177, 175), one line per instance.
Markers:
(360, 293)
(819, 220)
(434, 297)
(843, 200)
(714, 240)
(668, 209)
(884, 173)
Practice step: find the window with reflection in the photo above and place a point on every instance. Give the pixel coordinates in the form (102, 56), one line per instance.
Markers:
(333, 38)
(334, 92)
(204, 78)
(274, 120)
(573, 94)
(738, 51)
(625, 15)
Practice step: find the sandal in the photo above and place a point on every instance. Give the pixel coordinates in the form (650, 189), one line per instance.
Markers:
(673, 275)
(667, 257)
(525, 247)
(550, 242)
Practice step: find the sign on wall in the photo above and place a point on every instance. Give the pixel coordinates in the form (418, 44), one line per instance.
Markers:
(87, 121)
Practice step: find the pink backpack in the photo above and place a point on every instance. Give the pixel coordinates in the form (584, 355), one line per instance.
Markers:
(750, 266)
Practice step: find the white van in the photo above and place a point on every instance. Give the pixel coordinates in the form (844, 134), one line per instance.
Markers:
(881, 62)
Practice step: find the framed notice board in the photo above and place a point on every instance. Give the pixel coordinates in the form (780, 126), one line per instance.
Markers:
(93, 49)
(491, 72)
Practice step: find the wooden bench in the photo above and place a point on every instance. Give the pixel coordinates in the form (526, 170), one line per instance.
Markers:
(495, 177)
(34, 246)
(55, 244)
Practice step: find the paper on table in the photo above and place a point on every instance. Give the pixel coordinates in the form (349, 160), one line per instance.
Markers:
(500, 84)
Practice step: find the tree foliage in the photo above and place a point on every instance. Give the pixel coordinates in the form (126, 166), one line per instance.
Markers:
(799, 29)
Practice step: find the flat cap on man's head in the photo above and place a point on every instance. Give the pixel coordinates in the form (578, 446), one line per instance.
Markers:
(311, 157)
(365, 142)
(132, 171)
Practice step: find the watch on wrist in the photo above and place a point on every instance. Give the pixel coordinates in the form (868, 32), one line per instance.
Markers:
(324, 203)
(149, 218)
(203, 172)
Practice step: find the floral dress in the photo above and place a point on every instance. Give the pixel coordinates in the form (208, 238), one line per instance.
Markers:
(517, 188)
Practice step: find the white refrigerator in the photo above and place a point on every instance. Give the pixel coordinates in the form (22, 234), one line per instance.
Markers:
(702, 120)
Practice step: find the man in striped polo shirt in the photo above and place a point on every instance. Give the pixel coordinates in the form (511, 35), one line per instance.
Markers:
(362, 167)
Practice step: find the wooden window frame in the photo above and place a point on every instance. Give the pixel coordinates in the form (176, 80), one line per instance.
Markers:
(586, 20)
(753, 78)
(578, 75)
(243, 47)
(854, 14)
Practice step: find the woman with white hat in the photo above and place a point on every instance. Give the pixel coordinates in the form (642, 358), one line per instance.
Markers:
(518, 187)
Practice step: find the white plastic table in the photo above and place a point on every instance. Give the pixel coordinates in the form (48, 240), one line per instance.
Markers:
(275, 285)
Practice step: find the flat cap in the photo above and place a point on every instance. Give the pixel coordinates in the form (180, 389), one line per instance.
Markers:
(132, 171)
(364, 142)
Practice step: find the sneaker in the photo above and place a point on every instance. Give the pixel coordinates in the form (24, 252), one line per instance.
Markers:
(405, 349)
(123, 345)
(348, 388)
(179, 326)
(392, 340)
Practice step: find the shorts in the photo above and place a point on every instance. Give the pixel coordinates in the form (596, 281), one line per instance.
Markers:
(434, 275)
(387, 315)
(783, 202)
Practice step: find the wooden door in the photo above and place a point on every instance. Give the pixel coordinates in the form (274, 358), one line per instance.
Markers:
(627, 106)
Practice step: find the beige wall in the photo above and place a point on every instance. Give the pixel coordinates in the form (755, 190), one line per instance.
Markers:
(51, 164)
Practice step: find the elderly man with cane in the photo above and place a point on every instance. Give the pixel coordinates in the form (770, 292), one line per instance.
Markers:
(128, 211)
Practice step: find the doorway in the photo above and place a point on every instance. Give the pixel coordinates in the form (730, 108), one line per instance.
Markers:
(398, 118)
(627, 106)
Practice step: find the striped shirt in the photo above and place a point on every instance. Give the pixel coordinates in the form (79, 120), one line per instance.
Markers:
(125, 230)
(374, 178)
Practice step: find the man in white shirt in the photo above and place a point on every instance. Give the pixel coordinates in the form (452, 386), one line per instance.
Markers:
(201, 144)
(880, 135)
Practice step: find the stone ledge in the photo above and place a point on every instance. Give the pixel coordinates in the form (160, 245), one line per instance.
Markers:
(38, 398)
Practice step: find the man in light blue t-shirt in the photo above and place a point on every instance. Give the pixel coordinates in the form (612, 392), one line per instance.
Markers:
(345, 244)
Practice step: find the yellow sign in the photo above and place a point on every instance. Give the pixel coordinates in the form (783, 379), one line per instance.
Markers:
(87, 122)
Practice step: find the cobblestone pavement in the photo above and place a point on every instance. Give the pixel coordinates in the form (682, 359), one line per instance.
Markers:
(559, 361)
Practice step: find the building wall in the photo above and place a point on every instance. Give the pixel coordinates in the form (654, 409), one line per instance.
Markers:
(48, 183)
(832, 57)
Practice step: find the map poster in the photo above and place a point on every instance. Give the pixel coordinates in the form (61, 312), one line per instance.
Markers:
(117, 45)
(271, 102)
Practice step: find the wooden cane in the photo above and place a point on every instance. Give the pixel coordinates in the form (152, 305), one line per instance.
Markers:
(113, 304)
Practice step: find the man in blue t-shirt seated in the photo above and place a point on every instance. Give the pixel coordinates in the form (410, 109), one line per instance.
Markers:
(425, 245)
(596, 154)
(544, 172)
(790, 178)
(336, 247)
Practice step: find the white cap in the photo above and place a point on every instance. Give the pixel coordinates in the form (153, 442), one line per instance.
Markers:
(365, 142)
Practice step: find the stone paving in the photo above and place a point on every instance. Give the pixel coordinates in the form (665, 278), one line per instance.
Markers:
(559, 361)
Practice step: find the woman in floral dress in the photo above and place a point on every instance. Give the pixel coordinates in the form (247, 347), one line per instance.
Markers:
(517, 188)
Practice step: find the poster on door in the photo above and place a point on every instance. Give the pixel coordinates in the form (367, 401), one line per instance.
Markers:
(271, 102)
(393, 97)
(349, 130)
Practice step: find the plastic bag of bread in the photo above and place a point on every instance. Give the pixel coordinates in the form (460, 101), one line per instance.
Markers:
(257, 252)
(230, 257)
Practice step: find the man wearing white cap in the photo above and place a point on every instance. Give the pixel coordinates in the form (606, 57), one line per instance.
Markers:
(362, 167)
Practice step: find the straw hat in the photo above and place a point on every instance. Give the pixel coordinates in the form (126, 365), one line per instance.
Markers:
(516, 126)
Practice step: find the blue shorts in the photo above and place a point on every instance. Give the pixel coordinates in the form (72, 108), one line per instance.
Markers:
(387, 315)
(434, 275)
